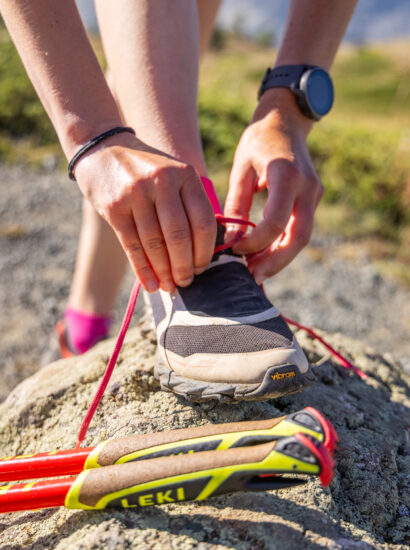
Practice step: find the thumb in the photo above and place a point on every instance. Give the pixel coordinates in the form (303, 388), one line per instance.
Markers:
(239, 198)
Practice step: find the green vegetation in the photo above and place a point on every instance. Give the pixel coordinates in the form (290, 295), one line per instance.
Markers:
(366, 172)
(361, 151)
(368, 81)
(20, 112)
(25, 131)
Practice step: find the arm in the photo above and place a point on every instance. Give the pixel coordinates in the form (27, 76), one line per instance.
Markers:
(273, 152)
(61, 64)
(133, 186)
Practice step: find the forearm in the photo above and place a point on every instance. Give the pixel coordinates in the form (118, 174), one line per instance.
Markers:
(62, 66)
(314, 30)
(152, 51)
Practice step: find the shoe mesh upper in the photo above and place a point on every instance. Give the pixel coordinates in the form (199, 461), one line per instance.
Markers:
(240, 338)
(226, 290)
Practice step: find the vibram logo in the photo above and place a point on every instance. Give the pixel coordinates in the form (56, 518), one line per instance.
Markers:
(282, 375)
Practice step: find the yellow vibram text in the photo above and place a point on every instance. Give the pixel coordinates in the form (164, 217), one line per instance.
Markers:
(281, 375)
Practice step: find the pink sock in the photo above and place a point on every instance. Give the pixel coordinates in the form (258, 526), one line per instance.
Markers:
(84, 330)
(210, 191)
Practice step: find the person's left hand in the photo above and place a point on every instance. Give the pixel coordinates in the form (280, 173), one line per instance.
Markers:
(272, 153)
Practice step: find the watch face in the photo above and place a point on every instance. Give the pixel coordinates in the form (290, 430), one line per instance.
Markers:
(318, 89)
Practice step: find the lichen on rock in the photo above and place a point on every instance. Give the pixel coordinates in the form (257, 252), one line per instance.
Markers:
(366, 506)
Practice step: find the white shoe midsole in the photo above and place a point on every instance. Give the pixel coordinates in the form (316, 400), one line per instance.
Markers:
(240, 368)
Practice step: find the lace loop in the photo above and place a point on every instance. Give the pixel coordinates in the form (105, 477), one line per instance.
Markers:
(239, 234)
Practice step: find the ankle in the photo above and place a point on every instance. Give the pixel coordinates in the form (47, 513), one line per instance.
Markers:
(84, 330)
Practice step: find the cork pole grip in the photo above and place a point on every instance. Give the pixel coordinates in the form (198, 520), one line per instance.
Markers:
(104, 481)
(115, 449)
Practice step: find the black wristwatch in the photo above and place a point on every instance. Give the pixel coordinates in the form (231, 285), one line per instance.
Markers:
(311, 85)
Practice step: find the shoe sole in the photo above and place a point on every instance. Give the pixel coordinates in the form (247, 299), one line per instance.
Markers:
(278, 382)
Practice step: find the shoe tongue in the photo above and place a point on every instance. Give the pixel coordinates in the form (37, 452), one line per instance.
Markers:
(220, 235)
(220, 239)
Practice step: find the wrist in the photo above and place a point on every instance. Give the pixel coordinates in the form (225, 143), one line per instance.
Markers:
(93, 143)
(281, 104)
(77, 132)
(105, 152)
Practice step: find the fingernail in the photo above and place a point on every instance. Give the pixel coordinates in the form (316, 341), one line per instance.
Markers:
(260, 278)
(151, 286)
(168, 286)
(185, 282)
(199, 270)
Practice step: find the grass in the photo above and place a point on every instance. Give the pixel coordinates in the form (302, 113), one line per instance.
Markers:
(368, 81)
(361, 150)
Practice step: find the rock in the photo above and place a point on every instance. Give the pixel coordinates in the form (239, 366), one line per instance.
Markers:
(366, 506)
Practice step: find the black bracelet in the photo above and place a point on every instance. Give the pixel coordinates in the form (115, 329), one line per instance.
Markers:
(92, 143)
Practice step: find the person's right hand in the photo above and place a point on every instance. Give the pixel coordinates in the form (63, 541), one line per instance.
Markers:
(157, 207)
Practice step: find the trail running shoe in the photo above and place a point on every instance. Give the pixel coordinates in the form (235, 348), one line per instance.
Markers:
(221, 338)
(64, 348)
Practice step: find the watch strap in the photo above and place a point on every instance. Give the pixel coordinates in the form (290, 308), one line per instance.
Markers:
(284, 76)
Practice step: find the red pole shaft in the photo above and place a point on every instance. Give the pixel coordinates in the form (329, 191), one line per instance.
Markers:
(34, 495)
(60, 463)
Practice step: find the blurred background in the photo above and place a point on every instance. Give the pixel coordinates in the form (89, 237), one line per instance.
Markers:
(353, 278)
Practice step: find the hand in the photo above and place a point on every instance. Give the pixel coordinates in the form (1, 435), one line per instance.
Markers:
(157, 207)
(273, 154)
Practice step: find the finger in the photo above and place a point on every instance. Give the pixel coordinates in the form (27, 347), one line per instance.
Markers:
(239, 198)
(202, 221)
(126, 232)
(153, 243)
(241, 189)
(282, 181)
(298, 234)
(177, 233)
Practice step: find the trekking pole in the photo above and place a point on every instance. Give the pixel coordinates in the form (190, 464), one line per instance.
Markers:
(180, 478)
(182, 441)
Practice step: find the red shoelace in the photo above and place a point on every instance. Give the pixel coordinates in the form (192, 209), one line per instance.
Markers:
(128, 316)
